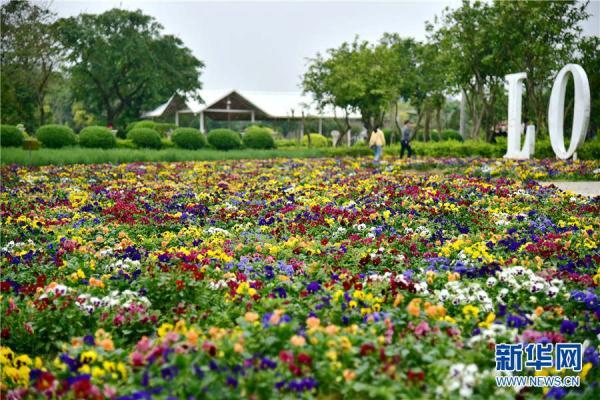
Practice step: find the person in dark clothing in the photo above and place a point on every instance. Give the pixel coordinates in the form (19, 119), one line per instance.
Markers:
(406, 138)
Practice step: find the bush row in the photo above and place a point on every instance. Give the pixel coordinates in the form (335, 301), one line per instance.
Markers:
(143, 136)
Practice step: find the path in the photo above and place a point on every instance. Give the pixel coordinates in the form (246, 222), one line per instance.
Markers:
(586, 188)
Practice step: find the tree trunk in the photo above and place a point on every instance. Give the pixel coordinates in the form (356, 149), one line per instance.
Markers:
(419, 118)
(396, 122)
(438, 118)
(427, 125)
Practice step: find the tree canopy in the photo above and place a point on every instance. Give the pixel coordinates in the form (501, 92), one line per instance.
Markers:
(120, 63)
(29, 55)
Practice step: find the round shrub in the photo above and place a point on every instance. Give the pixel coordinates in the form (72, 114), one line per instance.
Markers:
(188, 138)
(316, 140)
(450, 134)
(257, 137)
(145, 137)
(224, 139)
(97, 137)
(163, 128)
(144, 124)
(56, 136)
(10, 136)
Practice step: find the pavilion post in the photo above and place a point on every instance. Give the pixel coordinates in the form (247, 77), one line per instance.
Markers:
(202, 121)
(177, 118)
(320, 126)
(252, 116)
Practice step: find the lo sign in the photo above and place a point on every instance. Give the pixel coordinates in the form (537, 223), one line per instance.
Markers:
(556, 114)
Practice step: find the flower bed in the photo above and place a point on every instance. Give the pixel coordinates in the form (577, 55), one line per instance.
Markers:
(289, 278)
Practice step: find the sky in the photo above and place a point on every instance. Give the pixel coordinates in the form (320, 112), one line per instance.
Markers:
(265, 45)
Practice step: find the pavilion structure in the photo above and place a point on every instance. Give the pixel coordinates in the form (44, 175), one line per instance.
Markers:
(235, 105)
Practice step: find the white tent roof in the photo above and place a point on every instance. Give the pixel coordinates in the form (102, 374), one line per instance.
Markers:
(274, 104)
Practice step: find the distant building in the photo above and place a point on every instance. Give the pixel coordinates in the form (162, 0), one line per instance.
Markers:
(246, 105)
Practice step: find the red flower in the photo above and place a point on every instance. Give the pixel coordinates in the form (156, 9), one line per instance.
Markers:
(415, 376)
(180, 284)
(45, 381)
(210, 348)
(367, 349)
(286, 356)
(304, 358)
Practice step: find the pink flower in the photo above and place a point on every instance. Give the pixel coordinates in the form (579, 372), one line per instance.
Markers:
(137, 359)
(109, 392)
(143, 345)
(422, 329)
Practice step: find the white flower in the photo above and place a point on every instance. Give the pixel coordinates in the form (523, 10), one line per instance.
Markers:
(552, 291)
(443, 295)
(491, 281)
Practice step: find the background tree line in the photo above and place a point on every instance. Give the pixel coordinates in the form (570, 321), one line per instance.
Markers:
(104, 69)
(468, 50)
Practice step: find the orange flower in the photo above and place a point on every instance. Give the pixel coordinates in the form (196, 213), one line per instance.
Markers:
(192, 337)
(313, 322)
(399, 299)
(96, 282)
(539, 311)
(435, 311)
(251, 316)
(298, 341)
(107, 344)
(349, 375)
(414, 307)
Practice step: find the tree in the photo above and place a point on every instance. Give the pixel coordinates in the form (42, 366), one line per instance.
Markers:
(356, 76)
(472, 54)
(29, 56)
(589, 59)
(121, 64)
(538, 38)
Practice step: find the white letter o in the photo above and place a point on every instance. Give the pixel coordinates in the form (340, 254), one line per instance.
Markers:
(556, 110)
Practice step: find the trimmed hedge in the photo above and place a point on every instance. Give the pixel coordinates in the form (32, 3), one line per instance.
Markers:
(224, 139)
(454, 148)
(161, 128)
(10, 136)
(188, 138)
(257, 137)
(56, 136)
(145, 137)
(125, 144)
(316, 140)
(97, 137)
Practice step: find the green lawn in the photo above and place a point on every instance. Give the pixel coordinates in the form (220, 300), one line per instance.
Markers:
(77, 155)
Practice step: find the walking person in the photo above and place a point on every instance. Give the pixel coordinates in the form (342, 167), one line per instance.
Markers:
(377, 142)
(406, 138)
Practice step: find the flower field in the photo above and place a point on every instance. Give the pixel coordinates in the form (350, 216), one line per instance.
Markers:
(291, 279)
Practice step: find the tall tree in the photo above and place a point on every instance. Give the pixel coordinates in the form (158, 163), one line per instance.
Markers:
(355, 76)
(29, 56)
(589, 59)
(467, 38)
(538, 38)
(121, 63)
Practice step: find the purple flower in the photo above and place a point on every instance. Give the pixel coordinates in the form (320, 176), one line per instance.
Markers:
(556, 393)
(514, 321)
(231, 381)
(591, 355)
(313, 287)
(169, 373)
(89, 340)
(568, 327)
